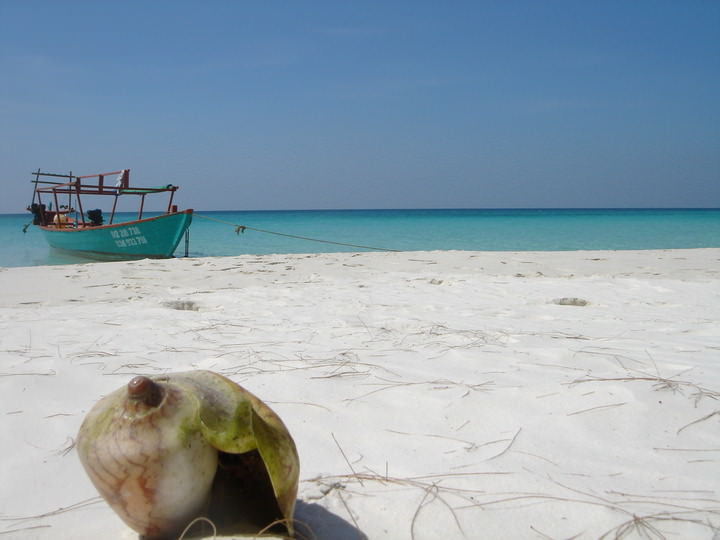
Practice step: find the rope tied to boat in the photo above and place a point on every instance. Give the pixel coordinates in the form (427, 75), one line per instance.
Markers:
(242, 228)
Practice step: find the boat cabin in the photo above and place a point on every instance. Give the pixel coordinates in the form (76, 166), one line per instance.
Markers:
(58, 198)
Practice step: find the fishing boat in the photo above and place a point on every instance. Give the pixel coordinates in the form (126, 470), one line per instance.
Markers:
(60, 210)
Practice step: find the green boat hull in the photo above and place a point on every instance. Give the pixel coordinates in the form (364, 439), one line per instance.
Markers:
(154, 238)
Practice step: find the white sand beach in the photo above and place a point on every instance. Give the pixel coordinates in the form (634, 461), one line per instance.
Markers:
(479, 395)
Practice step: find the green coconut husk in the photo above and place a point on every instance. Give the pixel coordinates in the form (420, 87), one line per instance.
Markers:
(165, 450)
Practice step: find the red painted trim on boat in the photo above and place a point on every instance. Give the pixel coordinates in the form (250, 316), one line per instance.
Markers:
(112, 225)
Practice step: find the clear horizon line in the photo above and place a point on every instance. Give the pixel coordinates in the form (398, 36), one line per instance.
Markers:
(448, 208)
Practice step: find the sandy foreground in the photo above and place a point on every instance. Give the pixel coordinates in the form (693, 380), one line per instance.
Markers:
(431, 394)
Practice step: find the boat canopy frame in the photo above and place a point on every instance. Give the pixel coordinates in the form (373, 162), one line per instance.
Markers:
(77, 186)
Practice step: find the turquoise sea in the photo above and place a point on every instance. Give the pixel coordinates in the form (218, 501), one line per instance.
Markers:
(214, 233)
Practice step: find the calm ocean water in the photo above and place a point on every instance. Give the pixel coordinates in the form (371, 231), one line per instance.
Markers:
(491, 230)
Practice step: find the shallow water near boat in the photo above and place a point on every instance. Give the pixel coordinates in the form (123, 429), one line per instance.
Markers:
(214, 233)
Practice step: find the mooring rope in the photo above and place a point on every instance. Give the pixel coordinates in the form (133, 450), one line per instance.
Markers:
(242, 228)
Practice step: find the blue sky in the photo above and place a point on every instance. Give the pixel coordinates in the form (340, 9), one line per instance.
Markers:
(341, 104)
